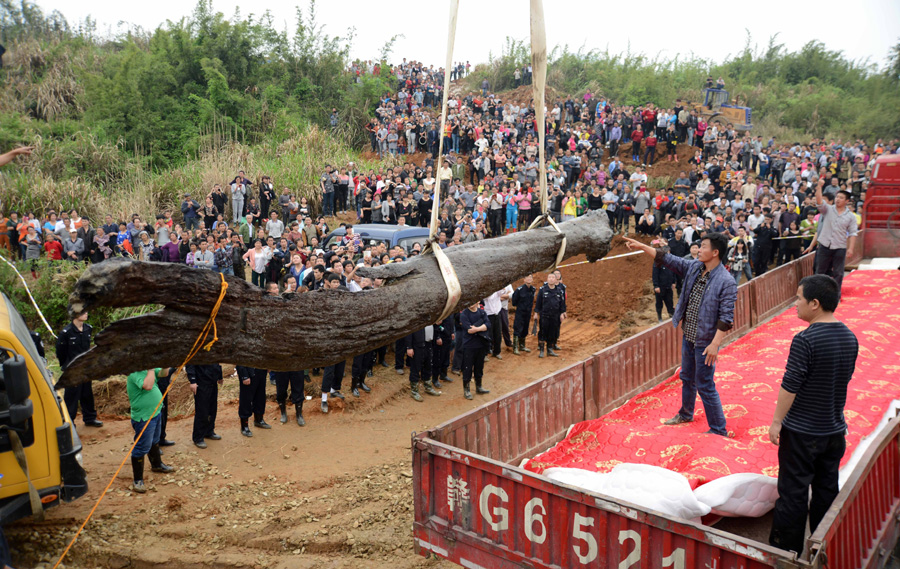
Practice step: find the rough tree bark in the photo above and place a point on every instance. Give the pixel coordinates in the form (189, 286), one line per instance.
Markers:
(310, 330)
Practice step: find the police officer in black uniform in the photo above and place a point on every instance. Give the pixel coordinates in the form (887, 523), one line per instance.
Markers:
(417, 347)
(205, 381)
(362, 363)
(294, 380)
(442, 345)
(74, 340)
(163, 380)
(251, 398)
(664, 284)
(550, 308)
(476, 341)
(523, 300)
(359, 369)
(561, 285)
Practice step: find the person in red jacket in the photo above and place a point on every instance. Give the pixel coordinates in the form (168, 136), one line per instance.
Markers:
(53, 247)
(637, 136)
(650, 153)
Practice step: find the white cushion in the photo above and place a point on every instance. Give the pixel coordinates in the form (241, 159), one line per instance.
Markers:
(591, 481)
(739, 495)
(654, 488)
(650, 487)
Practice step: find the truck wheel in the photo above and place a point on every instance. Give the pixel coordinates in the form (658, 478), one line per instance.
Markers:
(893, 224)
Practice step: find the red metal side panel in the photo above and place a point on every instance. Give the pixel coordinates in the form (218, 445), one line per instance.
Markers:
(524, 422)
(483, 514)
(742, 312)
(629, 367)
(773, 291)
(805, 266)
(861, 526)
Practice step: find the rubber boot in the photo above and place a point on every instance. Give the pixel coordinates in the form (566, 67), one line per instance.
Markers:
(260, 423)
(430, 390)
(414, 392)
(445, 377)
(551, 353)
(283, 408)
(515, 345)
(466, 393)
(540, 349)
(245, 428)
(156, 463)
(300, 420)
(480, 390)
(523, 347)
(353, 389)
(137, 468)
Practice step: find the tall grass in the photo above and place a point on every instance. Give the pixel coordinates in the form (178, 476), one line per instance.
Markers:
(296, 163)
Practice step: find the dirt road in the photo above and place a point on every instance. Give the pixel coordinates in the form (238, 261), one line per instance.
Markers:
(336, 493)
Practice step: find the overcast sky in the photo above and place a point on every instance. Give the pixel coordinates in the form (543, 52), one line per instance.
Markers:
(863, 29)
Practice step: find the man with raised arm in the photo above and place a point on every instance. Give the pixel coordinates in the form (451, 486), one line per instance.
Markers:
(706, 311)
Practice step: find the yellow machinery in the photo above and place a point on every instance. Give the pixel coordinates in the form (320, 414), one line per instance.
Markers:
(718, 108)
(40, 452)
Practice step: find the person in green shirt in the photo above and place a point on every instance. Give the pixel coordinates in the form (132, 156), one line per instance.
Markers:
(145, 399)
(808, 228)
(581, 203)
(246, 230)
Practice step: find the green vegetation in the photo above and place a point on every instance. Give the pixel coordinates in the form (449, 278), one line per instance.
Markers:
(51, 290)
(126, 124)
(810, 92)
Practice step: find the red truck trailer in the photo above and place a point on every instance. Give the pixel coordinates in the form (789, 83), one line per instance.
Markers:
(477, 508)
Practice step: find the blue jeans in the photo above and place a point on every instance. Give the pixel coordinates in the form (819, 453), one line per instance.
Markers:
(696, 377)
(151, 435)
(227, 270)
(328, 204)
(191, 223)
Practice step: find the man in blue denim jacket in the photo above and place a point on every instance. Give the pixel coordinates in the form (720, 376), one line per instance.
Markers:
(706, 311)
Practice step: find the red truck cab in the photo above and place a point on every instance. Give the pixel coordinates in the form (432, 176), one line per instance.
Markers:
(880, 231)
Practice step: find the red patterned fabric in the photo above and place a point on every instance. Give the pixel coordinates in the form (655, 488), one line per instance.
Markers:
(748, 377)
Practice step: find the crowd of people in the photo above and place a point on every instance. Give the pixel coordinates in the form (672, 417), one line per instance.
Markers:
(765, 199)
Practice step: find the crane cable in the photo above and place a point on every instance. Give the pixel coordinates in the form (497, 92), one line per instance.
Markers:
(538, 84)
(454, 289)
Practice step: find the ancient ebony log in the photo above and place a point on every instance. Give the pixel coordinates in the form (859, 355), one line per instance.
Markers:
(314, 329)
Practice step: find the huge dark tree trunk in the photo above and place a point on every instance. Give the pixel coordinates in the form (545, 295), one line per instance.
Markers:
(310, 330)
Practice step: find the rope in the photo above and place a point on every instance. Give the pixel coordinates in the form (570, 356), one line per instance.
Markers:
(538, 86)
(28, 290)
(195, 349)
(451, 281)
(600, 260)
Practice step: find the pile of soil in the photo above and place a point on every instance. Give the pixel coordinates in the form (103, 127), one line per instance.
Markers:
(604, 291)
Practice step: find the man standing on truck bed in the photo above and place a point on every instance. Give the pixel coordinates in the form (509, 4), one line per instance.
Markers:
(836, 235)
(706, 311)
(809, 425)
(74, 340)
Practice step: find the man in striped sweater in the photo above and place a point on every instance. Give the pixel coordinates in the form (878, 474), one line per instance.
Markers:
(809, 425)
